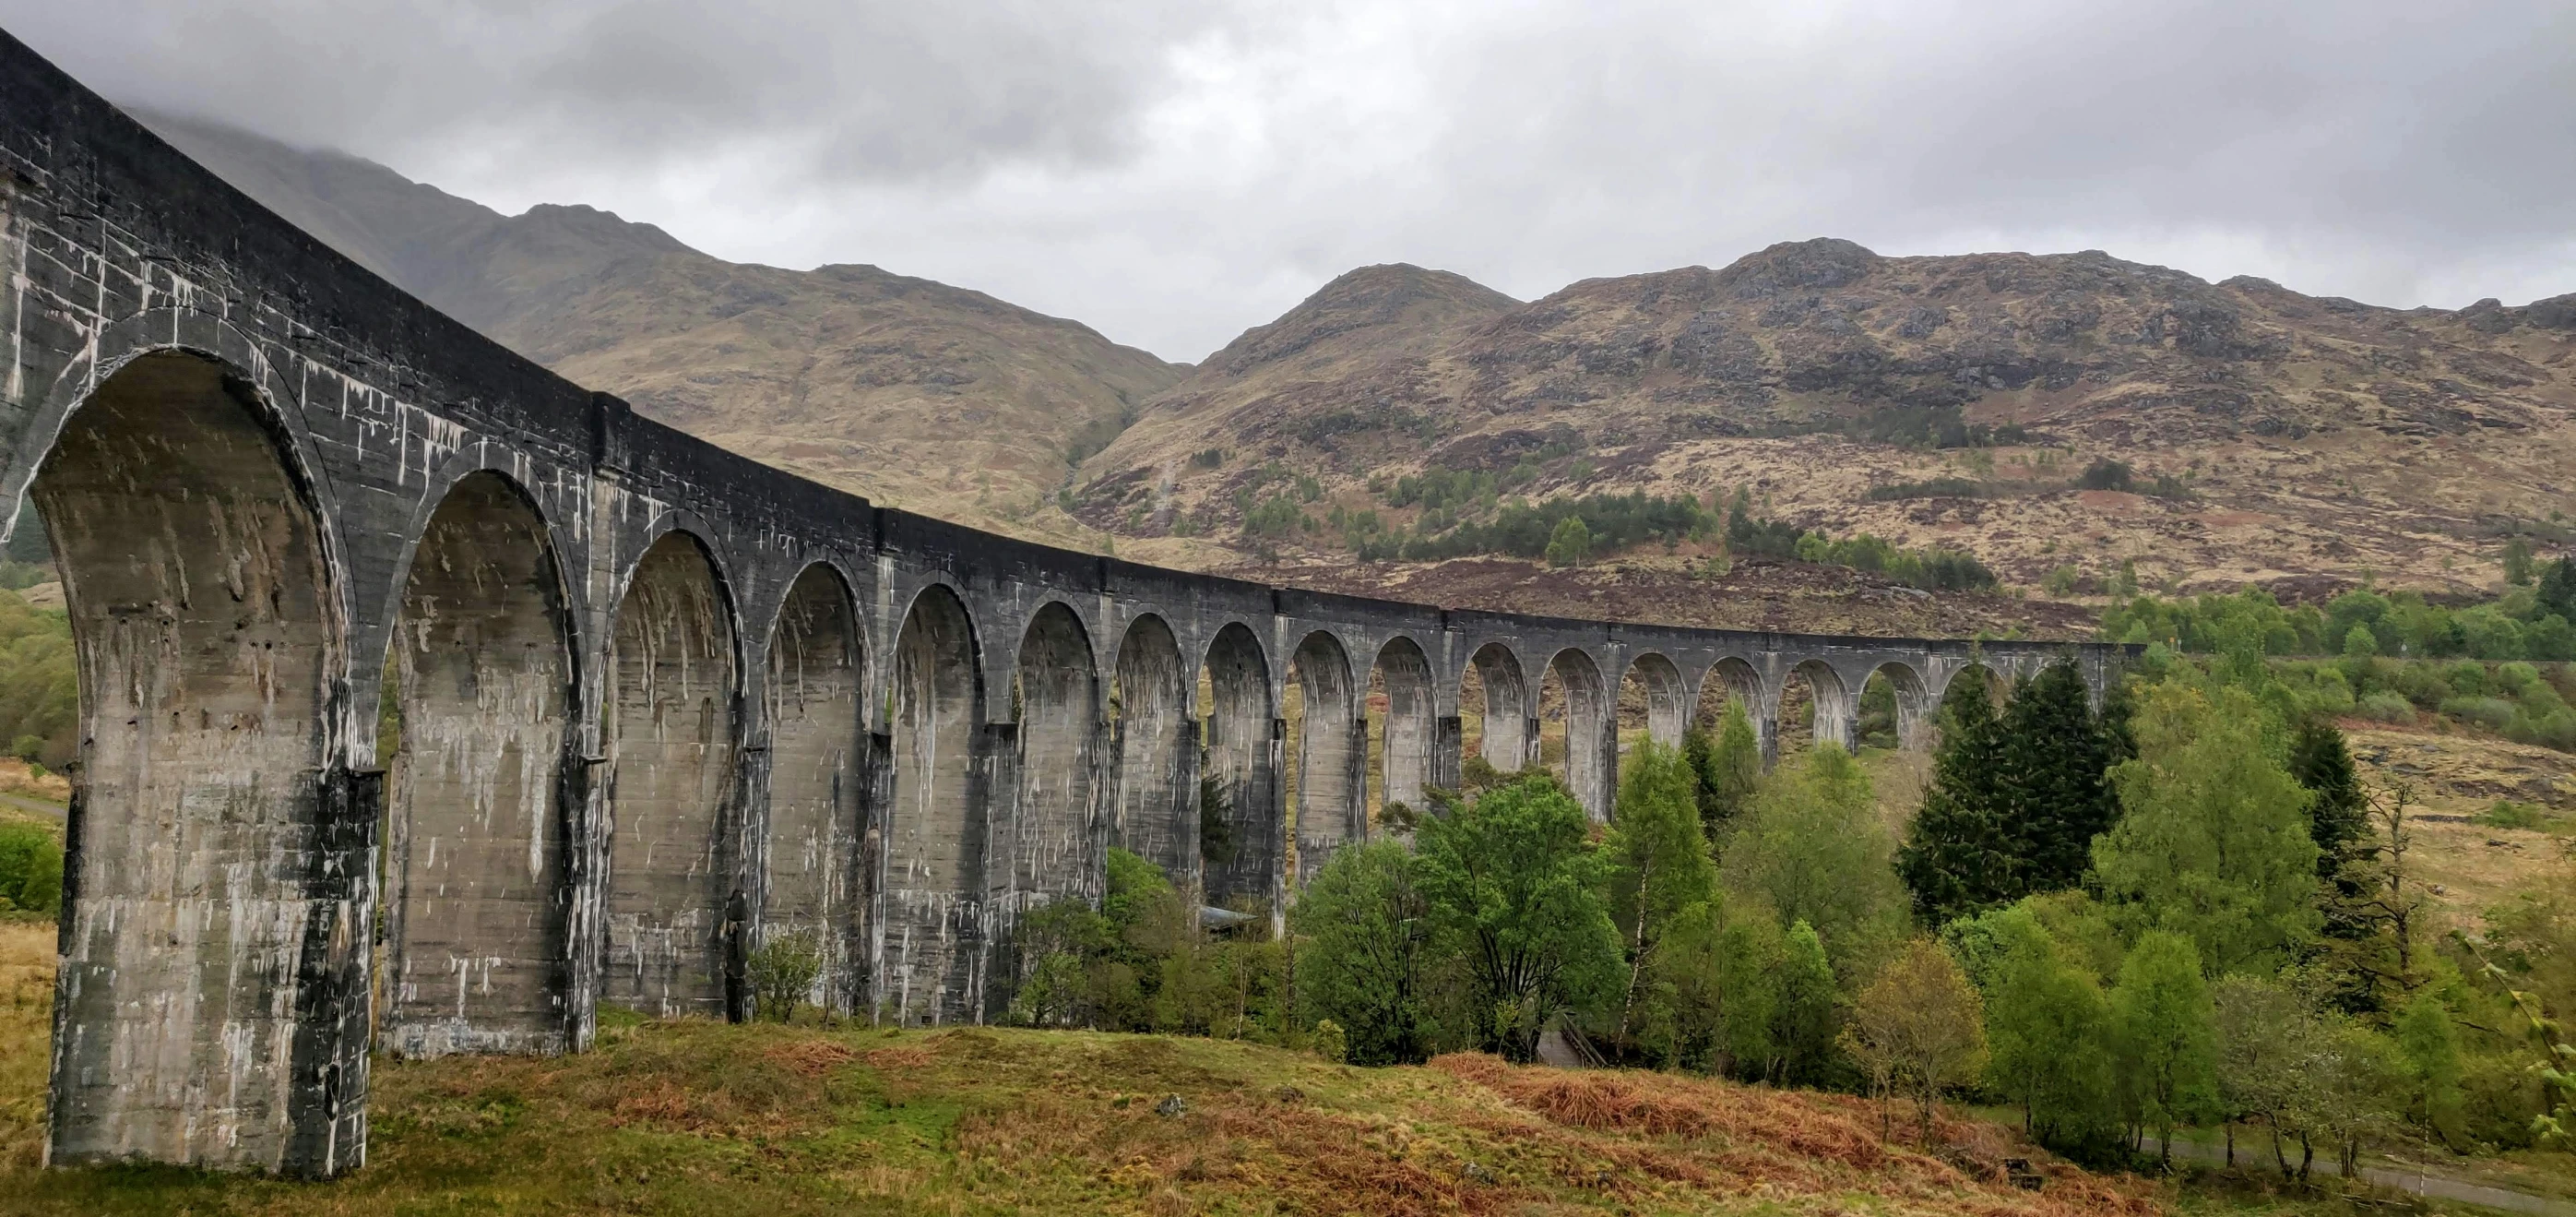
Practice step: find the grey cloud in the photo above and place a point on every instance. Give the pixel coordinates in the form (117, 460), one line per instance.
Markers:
(1174, 172)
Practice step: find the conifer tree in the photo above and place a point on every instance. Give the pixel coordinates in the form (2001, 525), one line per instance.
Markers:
(2057, 796)
(1958, 855)
(2337, 819)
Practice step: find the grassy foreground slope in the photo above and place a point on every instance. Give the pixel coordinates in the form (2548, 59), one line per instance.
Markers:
(703, 1118)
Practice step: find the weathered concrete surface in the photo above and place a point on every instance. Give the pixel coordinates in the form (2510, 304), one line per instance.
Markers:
(933, 908)
(477, 899)
(660, 701)
(200, 922)
(816, 711)
(671, 757)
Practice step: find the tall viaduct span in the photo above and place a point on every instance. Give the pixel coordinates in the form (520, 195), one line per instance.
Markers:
(657, 702)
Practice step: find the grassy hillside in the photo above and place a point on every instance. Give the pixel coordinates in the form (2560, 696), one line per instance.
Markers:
(697, 1117)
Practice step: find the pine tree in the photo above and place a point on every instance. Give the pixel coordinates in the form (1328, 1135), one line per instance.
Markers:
(2336, 820)
(2055, 760)
(1958, 858)
(2557, 590)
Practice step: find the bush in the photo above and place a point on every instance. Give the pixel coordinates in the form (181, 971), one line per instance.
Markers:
(2387, 708)
(783, 971)
(2492, 713)
(2505, 813)
(31, 869)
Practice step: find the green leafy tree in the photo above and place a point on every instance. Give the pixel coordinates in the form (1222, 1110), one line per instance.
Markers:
(2517, 562)
(2428, 1048)
(1516, 887)
(1921, 1026)
(2049, 1029)
(1813, 848)
(2264, 1035)
(1729, 767)
(2215, 842)
(1958, 859)
(1366, 959)
(1714, 990)
(1659, 861)
(1570, 544)
(31, 869)
(2166, 1036)
(1807, 1012)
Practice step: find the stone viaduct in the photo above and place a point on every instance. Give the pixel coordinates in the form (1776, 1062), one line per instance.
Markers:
(654, 702)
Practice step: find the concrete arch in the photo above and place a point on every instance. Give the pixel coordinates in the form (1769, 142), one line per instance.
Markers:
(931, 937)
(1998, 687)
(814, 857)
(1832, 701)
(1154, 769)
(670, 723)
(1734, 681)
(1510, 740)
(1913, 702)
(1332, 754)
(1241, 749)
(477, 907)
(1409, 734)
(1590, 735)
(1666, 708)
(207, 625)
(1049, 839)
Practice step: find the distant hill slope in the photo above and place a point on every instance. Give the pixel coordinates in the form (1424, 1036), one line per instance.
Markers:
(2320, 440)
(912, 392)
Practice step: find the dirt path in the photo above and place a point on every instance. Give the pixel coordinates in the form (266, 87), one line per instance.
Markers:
(2421, 1183)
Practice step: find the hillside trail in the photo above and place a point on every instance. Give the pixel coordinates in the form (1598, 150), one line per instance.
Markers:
(2420, 1182)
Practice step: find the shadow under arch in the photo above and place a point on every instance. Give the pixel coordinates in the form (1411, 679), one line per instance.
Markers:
(1814, 707)
(1894, 708)
(1574, 686)
(816, 853)
(1240, 768)
(478, 908)
(1048, 852)
(670, 724)
(1332, 754)
(206, 625)
(930, 928)
(1408, 725)
(1509, 737)
(1653, 697)
(1155, 796)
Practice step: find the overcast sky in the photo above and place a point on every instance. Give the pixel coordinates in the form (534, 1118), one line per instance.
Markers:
(1172, 171)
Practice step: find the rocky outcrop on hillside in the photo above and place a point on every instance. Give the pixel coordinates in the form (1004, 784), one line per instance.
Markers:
(910, 391)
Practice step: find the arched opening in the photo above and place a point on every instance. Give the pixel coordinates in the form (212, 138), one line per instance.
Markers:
(1494, 708)
(476, 900)
(1731, 684)
(671, 754)
(1998, 690)
(1155, 806)
(1814, 709)
(203, 615)
(1240, 827)
(1403, 728)
(1331, 748)
(1893, 711)
(1575, 731)
(1653, 703)
(816, 702)
(1058, 698)
(932, 927)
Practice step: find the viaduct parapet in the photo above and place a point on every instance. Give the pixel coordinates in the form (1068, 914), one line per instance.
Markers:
(650, 702)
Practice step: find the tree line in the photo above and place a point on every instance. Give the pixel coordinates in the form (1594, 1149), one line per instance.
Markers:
(2179, 908)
